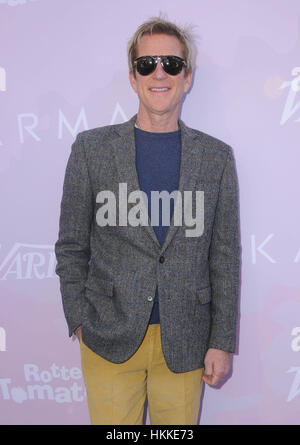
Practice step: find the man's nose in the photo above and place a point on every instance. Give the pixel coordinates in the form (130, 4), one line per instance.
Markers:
(159, 72)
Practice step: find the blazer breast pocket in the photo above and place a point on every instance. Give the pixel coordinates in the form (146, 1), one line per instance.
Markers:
(209, 187)
(210, 198)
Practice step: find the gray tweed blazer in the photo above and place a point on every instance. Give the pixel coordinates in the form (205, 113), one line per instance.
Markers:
(108, 274)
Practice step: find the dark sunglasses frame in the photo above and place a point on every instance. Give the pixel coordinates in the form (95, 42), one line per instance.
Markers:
(173, 70)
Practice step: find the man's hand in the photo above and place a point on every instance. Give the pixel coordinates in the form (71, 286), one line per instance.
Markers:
(78, 333)
(216, 366)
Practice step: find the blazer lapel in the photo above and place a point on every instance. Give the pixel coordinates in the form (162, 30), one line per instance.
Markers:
(191, 157)
(124, 154)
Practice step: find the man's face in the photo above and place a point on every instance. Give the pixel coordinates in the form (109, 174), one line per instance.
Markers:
(160, 102)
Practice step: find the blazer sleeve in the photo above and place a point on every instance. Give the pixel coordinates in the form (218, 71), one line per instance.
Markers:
(72, 248)
(224, 261)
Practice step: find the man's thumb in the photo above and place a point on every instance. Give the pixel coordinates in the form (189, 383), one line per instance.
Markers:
(208, 369)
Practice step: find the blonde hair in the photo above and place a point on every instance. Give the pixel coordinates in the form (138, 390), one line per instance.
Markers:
(159, 25)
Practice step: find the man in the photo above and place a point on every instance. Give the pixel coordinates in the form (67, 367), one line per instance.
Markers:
(154, 308)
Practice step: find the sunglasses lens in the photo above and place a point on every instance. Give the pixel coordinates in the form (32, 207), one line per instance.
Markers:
(145, 65)
(172, 65)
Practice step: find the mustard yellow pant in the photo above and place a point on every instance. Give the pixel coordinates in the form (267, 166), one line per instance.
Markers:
(116, 392)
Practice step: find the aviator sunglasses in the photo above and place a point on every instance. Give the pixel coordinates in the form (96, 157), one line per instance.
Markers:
(171, 64)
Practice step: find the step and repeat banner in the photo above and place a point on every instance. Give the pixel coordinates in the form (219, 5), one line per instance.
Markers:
(63, 69)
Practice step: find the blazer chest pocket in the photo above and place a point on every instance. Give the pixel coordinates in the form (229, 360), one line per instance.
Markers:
(99, 286)
(204, 295)
(210, 189)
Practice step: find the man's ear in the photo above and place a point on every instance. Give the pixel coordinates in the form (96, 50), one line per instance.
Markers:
(188, 81)
(132, 80)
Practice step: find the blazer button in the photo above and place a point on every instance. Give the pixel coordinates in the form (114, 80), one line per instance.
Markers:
(150, 298)
(161, 259)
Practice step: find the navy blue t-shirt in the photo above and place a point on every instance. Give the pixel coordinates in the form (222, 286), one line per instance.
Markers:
(158, 157)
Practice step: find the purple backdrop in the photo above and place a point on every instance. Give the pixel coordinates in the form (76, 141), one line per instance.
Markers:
(63, 69)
